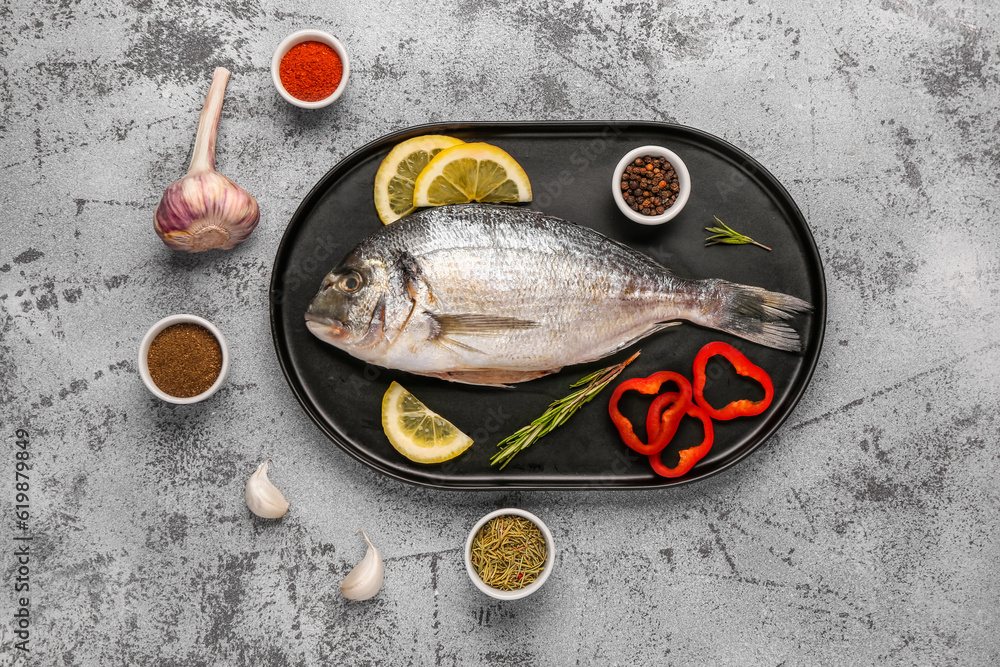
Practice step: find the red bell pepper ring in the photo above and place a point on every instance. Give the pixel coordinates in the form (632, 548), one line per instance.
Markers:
(650, 385)
(691, 455)
(743, 366)
(664, 417)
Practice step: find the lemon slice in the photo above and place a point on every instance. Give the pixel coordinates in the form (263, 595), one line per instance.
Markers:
(417, 433)
(471, 172)
(399, 170)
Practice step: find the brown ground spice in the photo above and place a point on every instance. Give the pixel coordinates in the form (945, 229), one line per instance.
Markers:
(184, 360)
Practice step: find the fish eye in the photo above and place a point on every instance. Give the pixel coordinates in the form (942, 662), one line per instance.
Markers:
(350, 283)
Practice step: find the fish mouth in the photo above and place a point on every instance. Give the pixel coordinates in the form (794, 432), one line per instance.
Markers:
(325, 328)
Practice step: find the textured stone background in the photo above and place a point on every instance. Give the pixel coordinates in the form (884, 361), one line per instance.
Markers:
(865, 532)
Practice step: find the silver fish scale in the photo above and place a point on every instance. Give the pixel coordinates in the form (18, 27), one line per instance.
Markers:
(589, 295)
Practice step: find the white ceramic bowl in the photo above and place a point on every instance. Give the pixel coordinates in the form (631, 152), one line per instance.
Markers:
(550, 557)
(144, 353)
(309, 36)
(683, 182)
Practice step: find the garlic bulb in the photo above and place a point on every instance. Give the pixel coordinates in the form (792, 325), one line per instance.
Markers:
(204, 209)
(263, 498)
(365, 580)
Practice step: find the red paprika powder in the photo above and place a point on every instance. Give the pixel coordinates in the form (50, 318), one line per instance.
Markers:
(311, 71)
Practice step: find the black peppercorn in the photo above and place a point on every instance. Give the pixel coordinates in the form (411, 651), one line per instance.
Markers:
(649, 185)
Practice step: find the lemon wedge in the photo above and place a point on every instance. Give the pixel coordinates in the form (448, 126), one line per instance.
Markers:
(471, 172)
(418, 433)
(399, 170)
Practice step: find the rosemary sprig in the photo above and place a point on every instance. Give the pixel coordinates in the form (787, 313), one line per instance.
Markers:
(725, 234)
(558, 412)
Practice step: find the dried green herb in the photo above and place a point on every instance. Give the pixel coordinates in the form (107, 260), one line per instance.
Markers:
(508, 552)
(558, 412)
(725, 234)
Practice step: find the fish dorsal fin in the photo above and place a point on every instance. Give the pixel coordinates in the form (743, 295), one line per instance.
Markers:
(474, 324)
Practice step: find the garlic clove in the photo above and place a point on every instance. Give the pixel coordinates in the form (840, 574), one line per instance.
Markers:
(263, 498)
(365, 580)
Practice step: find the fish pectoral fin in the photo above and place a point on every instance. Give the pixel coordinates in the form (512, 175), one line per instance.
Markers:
(490, 377)
(453, 345)
(474, 324)
(444, 328)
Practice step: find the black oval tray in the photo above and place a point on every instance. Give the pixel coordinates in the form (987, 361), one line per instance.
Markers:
(570, 165)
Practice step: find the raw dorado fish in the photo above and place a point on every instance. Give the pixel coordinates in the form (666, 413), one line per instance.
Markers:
(500, 294)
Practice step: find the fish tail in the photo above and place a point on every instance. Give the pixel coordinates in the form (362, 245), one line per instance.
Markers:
(753, 313)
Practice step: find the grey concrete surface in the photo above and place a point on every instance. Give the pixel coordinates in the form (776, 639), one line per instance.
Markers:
(864, 532)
